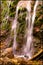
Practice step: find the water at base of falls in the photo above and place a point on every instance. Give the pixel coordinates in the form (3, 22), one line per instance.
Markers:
(27, 50)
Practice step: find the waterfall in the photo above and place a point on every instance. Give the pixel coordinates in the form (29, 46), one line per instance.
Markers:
(28, 48)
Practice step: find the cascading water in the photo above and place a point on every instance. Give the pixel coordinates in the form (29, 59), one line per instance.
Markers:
(28, 47)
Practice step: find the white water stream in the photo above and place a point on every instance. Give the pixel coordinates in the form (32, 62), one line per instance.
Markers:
(28, 48)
